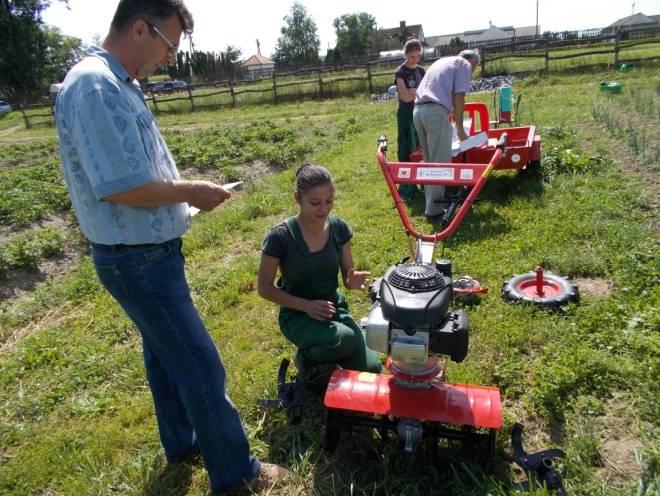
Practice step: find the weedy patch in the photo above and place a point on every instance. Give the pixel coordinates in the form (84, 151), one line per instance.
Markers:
(633, 120)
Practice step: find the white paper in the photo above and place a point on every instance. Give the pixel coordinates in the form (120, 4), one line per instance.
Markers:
(232, 185)
(472, 142)
(194, 210)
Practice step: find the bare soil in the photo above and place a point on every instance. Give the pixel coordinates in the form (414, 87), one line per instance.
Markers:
(596, 287)
(619, 444)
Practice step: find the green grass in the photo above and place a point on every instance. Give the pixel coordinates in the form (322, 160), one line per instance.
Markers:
(75, 411)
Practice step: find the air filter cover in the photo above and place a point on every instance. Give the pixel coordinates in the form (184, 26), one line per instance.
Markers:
(415, 296)
(416, 278)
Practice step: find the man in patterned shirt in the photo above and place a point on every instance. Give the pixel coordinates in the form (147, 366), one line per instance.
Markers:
(133, 207)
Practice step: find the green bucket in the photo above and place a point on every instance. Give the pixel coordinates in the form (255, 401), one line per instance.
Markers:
(613, 87)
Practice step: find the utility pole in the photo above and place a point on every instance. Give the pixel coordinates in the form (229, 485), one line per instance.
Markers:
(537, 17)
(192, 51)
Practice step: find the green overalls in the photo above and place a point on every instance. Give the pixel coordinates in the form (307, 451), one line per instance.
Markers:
(338, 340)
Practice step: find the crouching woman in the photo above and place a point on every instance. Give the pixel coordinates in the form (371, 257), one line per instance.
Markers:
(310, 248)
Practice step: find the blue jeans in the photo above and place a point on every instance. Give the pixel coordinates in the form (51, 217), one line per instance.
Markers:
(185, 373)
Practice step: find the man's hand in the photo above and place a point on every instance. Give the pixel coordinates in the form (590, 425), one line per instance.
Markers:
(206, 195)
(460, 132)
(320, 309)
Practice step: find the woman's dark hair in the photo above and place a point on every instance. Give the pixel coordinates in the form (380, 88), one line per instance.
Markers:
(152, 11)
(411, 46)
(310, 176)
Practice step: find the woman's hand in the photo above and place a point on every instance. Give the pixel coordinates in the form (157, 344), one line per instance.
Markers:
(320, 309)
(357, 279)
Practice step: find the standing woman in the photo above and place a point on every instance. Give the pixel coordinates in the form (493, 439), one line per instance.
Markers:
(310, 248)
(407, 78)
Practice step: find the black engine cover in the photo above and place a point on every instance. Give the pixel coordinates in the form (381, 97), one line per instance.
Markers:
(452, 337)
(415, 296)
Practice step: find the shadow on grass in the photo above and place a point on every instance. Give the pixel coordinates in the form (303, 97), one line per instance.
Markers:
(502, 189)
(484, 221)
(169, 479)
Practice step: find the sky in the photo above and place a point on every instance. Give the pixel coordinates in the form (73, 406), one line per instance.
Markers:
(241, 23)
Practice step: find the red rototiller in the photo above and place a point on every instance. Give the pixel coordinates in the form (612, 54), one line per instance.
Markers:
(411, 321)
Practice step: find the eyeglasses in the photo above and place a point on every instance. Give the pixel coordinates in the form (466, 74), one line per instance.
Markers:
(173, 49)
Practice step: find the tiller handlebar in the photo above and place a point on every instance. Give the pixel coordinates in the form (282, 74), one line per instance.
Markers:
(438, 174)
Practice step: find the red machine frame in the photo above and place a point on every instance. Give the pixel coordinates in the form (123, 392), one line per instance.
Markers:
(351, 394)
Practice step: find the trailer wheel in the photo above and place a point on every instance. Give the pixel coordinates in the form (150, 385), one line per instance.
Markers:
(531, 171)
(555, 290)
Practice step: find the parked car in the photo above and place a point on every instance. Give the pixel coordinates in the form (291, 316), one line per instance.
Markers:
(153, 87)
(4, 107)
(172, 86)
(160, 87)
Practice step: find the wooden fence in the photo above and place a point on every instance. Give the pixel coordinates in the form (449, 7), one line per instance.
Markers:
(321, 79)
(375, 76)
(542, 49)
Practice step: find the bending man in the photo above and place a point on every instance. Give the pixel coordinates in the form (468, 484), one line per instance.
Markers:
(442, 92)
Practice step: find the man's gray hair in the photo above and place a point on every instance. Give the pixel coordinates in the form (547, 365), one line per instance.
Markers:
(470, 55)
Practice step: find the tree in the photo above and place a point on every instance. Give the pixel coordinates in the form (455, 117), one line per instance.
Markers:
(230, 57)
(353, 32)
(23, 48)
(456, 44)
(62, 52)
(299, 43)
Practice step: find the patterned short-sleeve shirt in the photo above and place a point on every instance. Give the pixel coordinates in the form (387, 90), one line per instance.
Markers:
(446, 77)
(110, 143)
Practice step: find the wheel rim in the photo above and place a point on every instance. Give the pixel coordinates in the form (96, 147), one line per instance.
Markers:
(550, 288)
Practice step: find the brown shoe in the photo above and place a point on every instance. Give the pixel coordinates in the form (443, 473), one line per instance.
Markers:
(269, 474)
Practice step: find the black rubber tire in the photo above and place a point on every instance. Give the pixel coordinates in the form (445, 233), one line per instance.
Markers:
(533, 166)
(531, 171)
(567, 292)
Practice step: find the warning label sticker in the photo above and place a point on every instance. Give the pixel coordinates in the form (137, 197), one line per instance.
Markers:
(435, 173)
(467, 174)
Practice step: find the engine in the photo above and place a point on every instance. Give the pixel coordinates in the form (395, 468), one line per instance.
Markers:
(410, 320)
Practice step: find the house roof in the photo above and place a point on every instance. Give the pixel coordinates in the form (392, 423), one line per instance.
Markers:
(634, 19)
(412, 31)
(494, 33)
(484, 35)
(257, 59)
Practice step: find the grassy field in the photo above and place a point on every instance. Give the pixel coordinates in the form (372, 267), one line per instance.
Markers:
(75, 410)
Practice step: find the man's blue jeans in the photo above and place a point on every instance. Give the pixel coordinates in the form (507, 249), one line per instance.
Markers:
(185, 373)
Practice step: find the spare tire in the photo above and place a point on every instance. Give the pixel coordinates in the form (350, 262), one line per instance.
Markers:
(557, 290)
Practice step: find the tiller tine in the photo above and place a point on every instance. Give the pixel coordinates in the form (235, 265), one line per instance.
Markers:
(538, 466)
(289, 395)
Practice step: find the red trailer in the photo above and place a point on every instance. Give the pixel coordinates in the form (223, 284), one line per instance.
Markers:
(523, 149)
